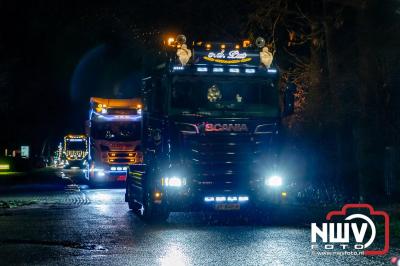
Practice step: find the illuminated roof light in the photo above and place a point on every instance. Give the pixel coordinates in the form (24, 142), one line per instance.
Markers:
(237, 46)
(272, 70)
(246, 43)
(170, 41)
(223, 46)
(202, 69)
(178, 68)
(139, 106)
(250, 70)
(218, 69)
(234, 70)
(208, 46)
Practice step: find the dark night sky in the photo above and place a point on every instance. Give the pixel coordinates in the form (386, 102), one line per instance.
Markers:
(43, 42)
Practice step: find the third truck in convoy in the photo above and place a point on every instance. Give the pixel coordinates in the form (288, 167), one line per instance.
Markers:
(75, 150)
(114, 131)
(211, 127)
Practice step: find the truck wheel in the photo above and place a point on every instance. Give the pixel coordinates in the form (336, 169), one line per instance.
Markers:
(128, 196)
(153, 213)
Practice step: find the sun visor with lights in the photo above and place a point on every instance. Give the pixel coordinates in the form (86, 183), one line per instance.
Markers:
(248, 58)
(224, 54)
(115, 107)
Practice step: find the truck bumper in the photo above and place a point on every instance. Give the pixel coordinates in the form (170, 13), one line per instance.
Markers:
(108, 174)
(184, 200)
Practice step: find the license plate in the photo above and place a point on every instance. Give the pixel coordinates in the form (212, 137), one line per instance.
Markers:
(227, 206)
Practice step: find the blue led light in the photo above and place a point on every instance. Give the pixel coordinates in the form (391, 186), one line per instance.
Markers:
(119, 117)
(208, 199)
(220, 199)
(232, 199)
(234, 70)
(218, 69)
(250, 70)
(272, 70)
(202, 69)
(243, 198)
(178, 68)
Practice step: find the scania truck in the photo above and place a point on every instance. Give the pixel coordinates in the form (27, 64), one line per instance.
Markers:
(211, 125)
(75, 150)
(114, 131)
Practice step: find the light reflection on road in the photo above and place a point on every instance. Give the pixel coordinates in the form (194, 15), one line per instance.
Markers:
(174, 256)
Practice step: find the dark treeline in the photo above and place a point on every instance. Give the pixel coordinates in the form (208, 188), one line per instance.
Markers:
(344, 58)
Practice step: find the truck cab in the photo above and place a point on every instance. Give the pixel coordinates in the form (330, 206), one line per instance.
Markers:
(114, 130)
(211, 132)
(75, 150)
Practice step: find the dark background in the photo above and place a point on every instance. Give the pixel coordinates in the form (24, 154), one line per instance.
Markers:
(342, 55)
(54, 55)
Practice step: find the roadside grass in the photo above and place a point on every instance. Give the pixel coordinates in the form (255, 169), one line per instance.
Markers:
(394, 214)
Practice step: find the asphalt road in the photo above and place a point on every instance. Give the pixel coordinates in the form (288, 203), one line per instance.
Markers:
(82, 226)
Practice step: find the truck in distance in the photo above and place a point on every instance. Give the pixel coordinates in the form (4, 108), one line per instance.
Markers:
(75, 150)
(114, 131)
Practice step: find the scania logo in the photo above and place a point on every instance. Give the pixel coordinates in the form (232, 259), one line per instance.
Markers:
(226, 127)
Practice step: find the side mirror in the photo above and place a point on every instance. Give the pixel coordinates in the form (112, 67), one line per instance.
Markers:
(288, 100)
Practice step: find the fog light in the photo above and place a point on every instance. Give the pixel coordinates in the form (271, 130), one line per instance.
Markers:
(243, 198)
(232, 199)
(274, 181)
(173, 181)
(209, 199)
(220, 199)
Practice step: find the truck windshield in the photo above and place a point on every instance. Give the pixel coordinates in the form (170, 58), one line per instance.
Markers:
(116, 130)
(76, 145)
(216, 95)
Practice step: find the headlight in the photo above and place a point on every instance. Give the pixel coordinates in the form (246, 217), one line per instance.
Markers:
(274, 181)
(173, 181)
(100, 172)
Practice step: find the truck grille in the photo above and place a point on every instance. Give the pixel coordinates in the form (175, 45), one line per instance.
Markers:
(224, 161)
(124, 157)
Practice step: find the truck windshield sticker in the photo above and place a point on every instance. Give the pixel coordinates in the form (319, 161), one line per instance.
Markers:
(227, 61)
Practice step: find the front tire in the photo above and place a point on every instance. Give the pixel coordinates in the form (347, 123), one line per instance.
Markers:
(148, 211)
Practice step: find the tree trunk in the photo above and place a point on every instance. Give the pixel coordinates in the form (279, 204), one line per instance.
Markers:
(369, 139)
